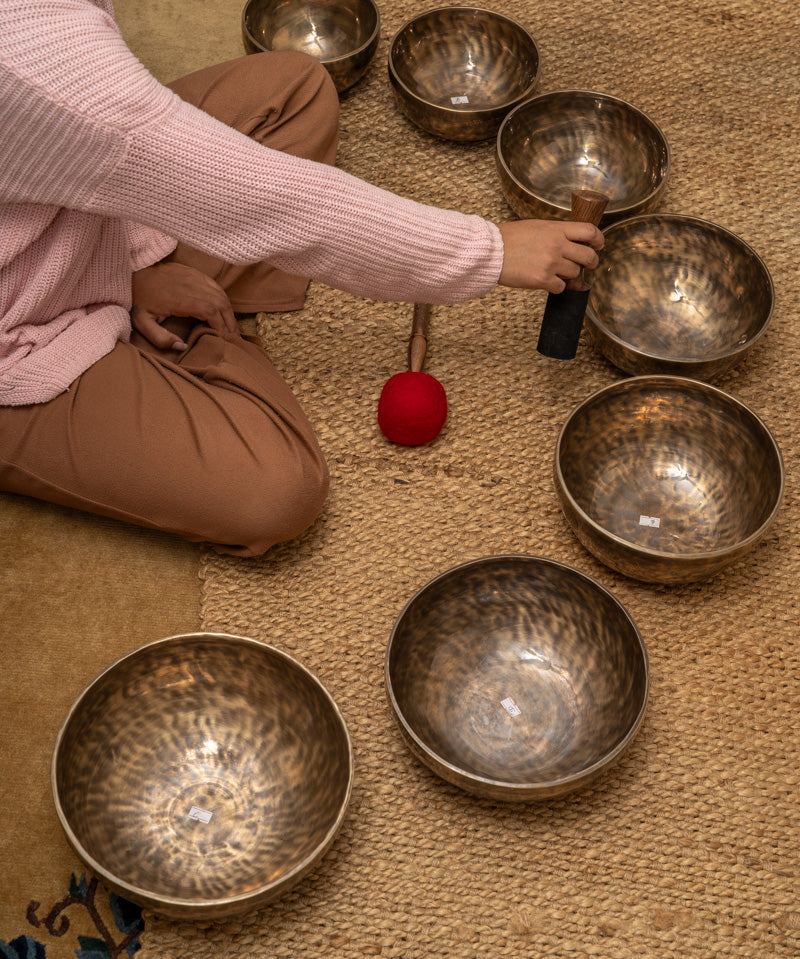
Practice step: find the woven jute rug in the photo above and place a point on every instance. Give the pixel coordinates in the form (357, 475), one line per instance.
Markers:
(689, 846)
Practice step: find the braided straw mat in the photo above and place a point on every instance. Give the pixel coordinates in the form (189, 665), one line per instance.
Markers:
(689, 847)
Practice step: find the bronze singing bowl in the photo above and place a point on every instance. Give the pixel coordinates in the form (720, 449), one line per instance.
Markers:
(202, 775)
(457, 71)
(556, 143)
(667, 479)
(343, 34)
(516, 678)
(679, 295)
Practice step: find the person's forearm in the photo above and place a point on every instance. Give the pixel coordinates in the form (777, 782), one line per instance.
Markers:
(304, 217)
(113, 141)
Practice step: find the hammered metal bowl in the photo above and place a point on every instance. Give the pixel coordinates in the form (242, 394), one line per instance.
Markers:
(342, 34)
(568, 140)
(457, 71)
(667, 479)
(679, 295)
(516, 677)
(202, 775)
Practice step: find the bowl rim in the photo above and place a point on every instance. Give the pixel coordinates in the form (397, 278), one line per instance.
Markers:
(443, 109)
(668, 380)
(372, 39)
(524, 790)
(618, 212)
(730, 353)
(188, 906)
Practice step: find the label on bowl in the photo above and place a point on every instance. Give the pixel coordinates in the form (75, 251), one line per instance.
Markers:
(653, 521)
(201, 815)
(456, 100)
(510, 706)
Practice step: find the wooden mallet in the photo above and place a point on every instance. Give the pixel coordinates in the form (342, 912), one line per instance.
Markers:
(562, 320)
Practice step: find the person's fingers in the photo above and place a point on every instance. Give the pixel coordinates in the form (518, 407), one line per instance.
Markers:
(219, 319)
(229, 318)
(539, 254)
(585, 233)
(583, 257)
(555, 285)
(221, 314)
(155, 333)
(172, 289)
(569, 269)
(215, 308)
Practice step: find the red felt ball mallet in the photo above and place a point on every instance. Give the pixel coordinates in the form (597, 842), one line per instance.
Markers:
(413, 405)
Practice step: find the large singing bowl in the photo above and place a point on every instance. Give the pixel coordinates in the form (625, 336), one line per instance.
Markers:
(667, 479)
(516, 678)
(342, 34)
(556, 143)
(457, 71)
(202, 775)
(679, 295)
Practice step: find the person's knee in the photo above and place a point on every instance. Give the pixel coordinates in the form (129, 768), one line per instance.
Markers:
(303, 117)
(308, 69)
(299, 69)
(265, 510)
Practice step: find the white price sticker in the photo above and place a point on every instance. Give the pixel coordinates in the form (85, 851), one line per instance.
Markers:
(510, 706)
(653, 521)
(201, 815)
(457, 100)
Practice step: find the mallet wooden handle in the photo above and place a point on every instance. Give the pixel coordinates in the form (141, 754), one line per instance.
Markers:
(418, 342)
(588, 206)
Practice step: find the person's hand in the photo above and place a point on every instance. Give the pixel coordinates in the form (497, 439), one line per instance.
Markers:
(172, 289)
(544, 254)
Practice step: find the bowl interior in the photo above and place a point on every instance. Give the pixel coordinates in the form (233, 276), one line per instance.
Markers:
(670, 465)
(518, 670)
(202, 768)
(559, 142)
(464, 59)
(680, 288)
(321, 28)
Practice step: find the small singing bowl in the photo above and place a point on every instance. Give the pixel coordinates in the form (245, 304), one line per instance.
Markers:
(678, 295)
(666, 479)
(457, 71)
(516, 678)
(567, 140)
(342, 34)
(202, 775)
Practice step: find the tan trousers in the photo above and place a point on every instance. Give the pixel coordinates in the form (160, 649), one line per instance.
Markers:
(209, 444)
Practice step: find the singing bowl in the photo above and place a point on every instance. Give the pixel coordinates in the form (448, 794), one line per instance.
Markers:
(567, 140)
(343, 34)
(516, 678)
(678, 295)
(202, 775)
(667, 479)
(456, 71)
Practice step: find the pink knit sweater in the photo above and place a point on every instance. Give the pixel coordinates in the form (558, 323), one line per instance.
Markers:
(96, 182)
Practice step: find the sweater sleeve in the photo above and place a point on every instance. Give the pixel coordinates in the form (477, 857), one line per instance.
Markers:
(120, 144)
